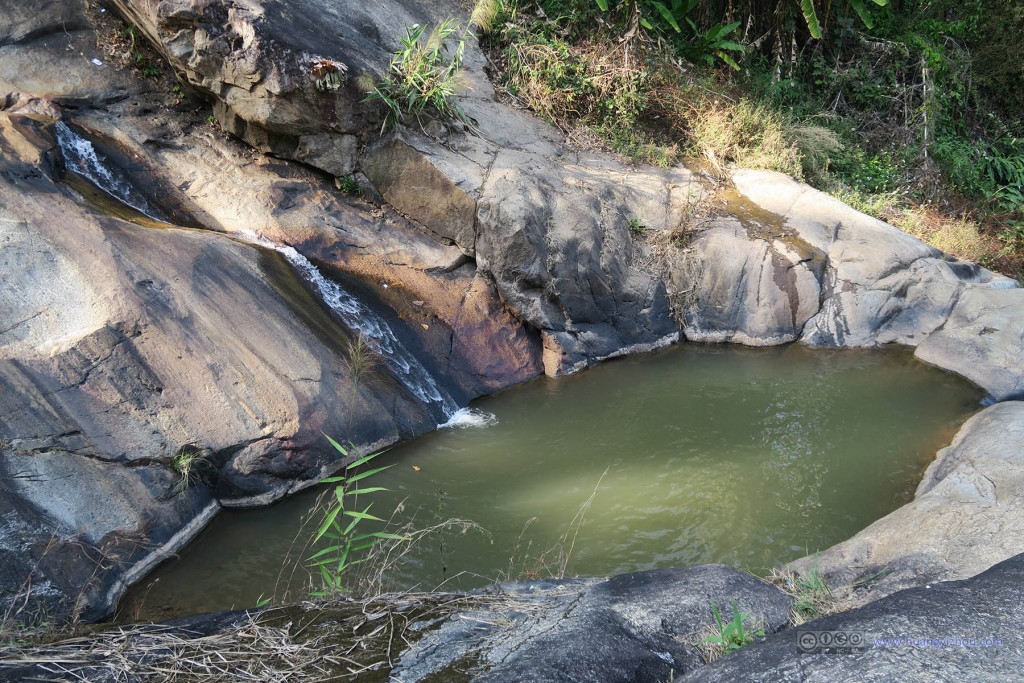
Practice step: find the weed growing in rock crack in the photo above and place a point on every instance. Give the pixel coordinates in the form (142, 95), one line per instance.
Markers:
(348, 185)
(731, 636)
(637, 227)
(191, 464)
(424, 75)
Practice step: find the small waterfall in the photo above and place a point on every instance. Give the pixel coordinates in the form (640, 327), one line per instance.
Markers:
(359, 317)
(82, 158)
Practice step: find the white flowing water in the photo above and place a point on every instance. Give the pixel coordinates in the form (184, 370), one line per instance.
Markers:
(377, 333)
(81, 158)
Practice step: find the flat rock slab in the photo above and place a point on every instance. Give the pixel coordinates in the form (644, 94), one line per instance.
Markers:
(985, 611)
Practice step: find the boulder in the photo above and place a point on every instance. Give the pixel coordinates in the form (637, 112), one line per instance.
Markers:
(983, 340)
(641, 626)
(878, 284)
(952, 631)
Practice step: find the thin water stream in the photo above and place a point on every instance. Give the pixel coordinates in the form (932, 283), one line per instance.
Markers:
(697, 454)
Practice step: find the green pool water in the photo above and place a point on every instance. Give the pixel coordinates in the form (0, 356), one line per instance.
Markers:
(696, 454)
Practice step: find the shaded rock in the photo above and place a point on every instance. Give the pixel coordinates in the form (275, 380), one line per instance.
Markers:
(633, 627)
(983, 340)
(968, 515)
(75, 530)
(590, 302)
(51, 52)
(626, 628)
(558, 245)
(985, 611)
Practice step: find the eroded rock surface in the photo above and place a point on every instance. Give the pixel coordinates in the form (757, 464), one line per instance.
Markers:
(499, 254)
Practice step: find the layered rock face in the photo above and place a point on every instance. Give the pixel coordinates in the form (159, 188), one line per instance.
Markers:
(127, 350)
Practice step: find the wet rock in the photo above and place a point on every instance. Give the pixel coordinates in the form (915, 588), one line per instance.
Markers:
(984, 611)
(123, 345)
(968, 515)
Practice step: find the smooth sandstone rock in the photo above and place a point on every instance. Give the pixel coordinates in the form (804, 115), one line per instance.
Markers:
(983, 340)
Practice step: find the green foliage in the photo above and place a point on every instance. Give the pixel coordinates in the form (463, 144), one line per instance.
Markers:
(636, 226)
(347, 543)
(704, 46)
(811, 593)
(869, 173)
(146, 66)
(672, 21)
(349, 185)
(424, 75)
(192, 465)
(732, 635)
(898, 105)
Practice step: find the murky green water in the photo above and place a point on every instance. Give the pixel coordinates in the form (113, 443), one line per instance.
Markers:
(703, 454)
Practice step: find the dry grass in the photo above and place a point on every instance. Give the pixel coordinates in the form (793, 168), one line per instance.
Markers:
(747, 134)
(962, 237)
(812, 596)
(340, 640)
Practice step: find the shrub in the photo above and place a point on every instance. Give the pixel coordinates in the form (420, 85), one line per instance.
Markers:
(347, 543)
(424, 75)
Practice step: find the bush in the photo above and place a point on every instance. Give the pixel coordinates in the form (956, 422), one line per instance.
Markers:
(423, 76)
